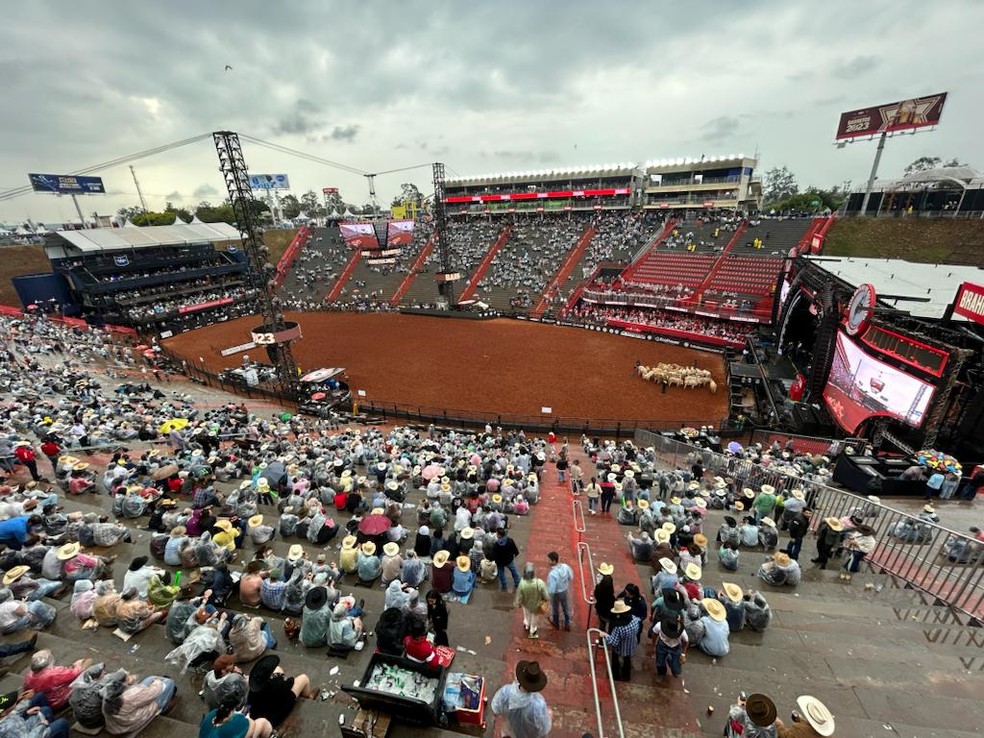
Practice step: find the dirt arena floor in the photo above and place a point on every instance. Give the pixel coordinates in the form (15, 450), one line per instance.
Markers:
(496, 366)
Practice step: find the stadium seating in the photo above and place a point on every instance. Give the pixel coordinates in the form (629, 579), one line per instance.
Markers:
(668, 268)
(779, 235)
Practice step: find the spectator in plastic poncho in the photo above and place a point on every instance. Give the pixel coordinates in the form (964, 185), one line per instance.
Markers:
(522, 705)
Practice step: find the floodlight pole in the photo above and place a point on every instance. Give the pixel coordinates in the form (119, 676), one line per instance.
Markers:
(78, 209)
(874, 173)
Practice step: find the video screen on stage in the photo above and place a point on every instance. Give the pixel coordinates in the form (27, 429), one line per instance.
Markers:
(399, 233)
(861, 387)
(359, 235)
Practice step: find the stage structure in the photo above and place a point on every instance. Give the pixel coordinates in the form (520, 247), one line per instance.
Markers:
(447, 276)
(276, 333)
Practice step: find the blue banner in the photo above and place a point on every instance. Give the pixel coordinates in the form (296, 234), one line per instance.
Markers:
(269, 182)
(67, 184)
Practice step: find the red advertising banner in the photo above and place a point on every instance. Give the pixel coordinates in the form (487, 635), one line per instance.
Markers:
(359, 235)
(399, 233)
(558, 194)
(329, 190)
(204, 305)
(970, 302)
(904, 115)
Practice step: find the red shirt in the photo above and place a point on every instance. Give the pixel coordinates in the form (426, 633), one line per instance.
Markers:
(420, 649)
(24, 453)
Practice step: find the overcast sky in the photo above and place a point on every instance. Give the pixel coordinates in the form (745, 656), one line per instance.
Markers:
(483, 87)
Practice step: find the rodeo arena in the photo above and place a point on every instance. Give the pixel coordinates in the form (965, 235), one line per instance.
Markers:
(608, 450)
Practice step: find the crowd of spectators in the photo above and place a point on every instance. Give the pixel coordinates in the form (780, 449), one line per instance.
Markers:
(699, 326)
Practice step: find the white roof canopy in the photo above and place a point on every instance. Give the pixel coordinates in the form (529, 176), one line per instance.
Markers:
(118, 239)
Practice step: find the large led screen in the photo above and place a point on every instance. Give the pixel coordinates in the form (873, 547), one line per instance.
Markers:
(861, 387)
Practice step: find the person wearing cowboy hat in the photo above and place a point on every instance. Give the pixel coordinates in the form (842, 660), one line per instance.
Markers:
(441, 573)
(731, 596)
(623, 639)
(780, 571)
(753, 716)
(768, 534)
(670, 635)
(829, 535)
(860, 542)
(814, 719)
(392, 563)
(524, 708)
(462, 578)
(641, 548)
(369, 566)
(713, 629)
(259, 533)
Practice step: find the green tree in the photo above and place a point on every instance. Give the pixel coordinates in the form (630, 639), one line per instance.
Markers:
(182, 214)
(335, 203)
(125, 214)
(151, 218)
(290, 206)
(312, 205)
(931, 162)
(778, 184)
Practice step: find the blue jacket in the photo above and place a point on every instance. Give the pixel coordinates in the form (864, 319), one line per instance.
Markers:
(14, 529)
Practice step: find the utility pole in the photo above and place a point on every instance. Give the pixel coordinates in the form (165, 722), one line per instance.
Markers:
(143, 203)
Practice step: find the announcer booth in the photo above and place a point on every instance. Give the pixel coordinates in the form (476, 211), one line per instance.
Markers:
(893, 357)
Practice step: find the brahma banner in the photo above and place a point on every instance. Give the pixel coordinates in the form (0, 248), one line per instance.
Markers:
(359, 235)
(399, 233)
(970, 302)
(904, 115)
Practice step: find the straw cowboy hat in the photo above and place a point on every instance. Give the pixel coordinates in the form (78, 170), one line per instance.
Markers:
(349, 541)
(781, 559)
(620, 607)
(178, 531)
(669, 528)
(295, 552)
(441, 558)
(739, 506)
(80, 466)
(732, 591)
(799, 495)
(223, 524)
(467, 534)
(377, 511)
(715, 609)
(674, 500)
(748, 492)
(246, 484)
(68, 551)
(929, 509)
(392, 485)
(700, 502)
(496, 498)
(816, 713)
(692, 571)
(834, 524)
(768, 489)
(605, 569)
(391, 549)
(262, 483)
(760, 710)
(643, 504)
(693, 486)
(769, 522)
(463, 563)
(662, 536)
(15, 573)
(668, 566)
(255, 521)
(701, 540)
(530, 677)
(369, 548)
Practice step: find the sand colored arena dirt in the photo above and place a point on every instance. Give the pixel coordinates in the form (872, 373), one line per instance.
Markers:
(495, 366)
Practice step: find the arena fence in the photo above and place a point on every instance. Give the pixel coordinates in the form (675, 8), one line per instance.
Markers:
(932, 558)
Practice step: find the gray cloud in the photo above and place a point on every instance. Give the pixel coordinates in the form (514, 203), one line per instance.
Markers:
(720, 128)
(344, 133)
(854, 67)
(175, 195)
(510, 83)
(203, 191)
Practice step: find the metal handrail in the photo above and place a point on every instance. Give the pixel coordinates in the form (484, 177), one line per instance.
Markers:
(592, 635)
(584, 551)
(929, 562)
(579, 512)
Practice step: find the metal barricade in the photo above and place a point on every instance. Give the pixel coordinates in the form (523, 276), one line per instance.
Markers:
(594, 634)
(941, 562)
(584, 552)
(578, 510)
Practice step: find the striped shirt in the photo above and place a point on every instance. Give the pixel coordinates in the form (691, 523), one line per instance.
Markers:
(624, 638)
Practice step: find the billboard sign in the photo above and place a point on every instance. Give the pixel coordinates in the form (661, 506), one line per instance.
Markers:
(399, 233)
(518, 196)
(861, 387)
(359, 235)
(269, 182)
(67, 184)
(970, 302)
(904, 115)
(329, 190)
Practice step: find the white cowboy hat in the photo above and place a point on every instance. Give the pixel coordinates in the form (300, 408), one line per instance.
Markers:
(817, 714)
(668, 566)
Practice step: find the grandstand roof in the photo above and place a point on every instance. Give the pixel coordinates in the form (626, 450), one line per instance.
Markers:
(538, 175)
(116, 239)
(922, 290)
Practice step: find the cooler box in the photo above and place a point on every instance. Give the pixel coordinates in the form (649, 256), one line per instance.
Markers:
(390, 684)
(464, 697)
